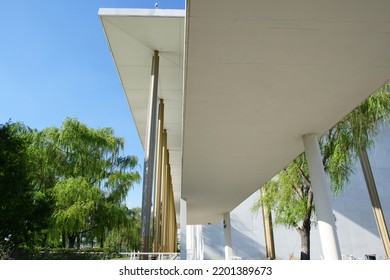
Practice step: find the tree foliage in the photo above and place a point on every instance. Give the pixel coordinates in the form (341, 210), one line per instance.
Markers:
(289, 194)
(16, 187)
(93, 178)
(125, 237)
(340, 145)
(297, 194)
(75, 202)
(63, 186)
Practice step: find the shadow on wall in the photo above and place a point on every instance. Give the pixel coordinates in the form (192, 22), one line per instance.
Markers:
(213, 241)
(244, 241)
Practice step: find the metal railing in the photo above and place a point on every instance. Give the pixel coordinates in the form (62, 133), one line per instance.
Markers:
(152, 256)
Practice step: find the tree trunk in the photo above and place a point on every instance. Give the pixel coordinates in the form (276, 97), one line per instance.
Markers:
(72, 240)
(44, 240)
(304, 232)
(102, 239)
(63, 239)
(78, 241)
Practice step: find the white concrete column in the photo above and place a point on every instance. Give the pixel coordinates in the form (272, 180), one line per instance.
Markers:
(320, 185)
(190, 245)
(183, 229)
(199, 242)
(194, 244)
(227, 230)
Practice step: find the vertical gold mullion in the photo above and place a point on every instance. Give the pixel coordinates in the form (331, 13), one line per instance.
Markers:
(375, 201)
(173, 218)
(170, 212)
(268, 230)
(166, 209)
(157, 192)
(174, 229)
(164, 199)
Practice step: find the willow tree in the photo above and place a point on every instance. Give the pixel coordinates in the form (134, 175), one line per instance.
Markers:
(125, 237)
(76, 200)
(93, 178)
(290, 195)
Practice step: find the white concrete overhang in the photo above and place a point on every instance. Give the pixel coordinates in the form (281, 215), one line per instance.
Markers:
(132, 36)
(258, 75)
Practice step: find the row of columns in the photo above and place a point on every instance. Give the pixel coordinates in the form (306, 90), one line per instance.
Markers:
(165, 226)
(157, 174)
(164, 217)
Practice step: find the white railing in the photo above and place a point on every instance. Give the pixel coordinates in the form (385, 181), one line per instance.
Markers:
(152, 256)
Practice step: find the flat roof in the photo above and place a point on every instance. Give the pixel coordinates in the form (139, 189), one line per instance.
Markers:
(132, 36)
(258, 75)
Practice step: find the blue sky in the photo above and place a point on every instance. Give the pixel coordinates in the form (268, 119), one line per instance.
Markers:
(55, 62)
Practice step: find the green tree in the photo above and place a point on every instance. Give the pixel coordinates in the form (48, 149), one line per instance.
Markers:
(76, 200)
(16, 188)
(130, 238)
(59, 186)
(290, 194)
(125, 237)
(90, 160)
(42, 167)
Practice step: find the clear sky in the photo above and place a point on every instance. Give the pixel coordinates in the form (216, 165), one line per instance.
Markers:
(55, 62)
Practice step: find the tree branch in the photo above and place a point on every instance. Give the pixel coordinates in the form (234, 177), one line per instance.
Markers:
(304, 176)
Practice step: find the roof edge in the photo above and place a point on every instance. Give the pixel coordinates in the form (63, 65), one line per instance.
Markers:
(141, 12)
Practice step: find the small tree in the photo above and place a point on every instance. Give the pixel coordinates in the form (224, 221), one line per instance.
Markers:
(290, 193)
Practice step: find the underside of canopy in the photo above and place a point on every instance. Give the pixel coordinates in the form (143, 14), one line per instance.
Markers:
(243, 81)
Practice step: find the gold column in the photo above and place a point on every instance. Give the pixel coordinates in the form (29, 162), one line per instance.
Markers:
(175, 238)
(164, 208)
(268, 230)
(375, 202)
(165, 225)
(169, 209)
(157, 191)
(171, 215)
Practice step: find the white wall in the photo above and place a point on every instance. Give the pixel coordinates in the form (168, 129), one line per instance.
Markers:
(355, 222)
